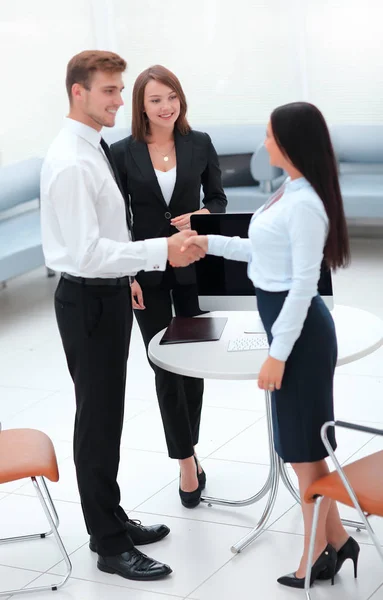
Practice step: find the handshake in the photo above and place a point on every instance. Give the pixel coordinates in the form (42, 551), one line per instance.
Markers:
(186, 247)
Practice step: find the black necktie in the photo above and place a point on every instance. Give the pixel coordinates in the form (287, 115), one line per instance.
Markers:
(109, 156)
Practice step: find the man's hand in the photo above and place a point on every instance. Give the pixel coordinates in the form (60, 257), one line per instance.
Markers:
(188, 255)
(183, 221)
(200, 241)
(137, 296)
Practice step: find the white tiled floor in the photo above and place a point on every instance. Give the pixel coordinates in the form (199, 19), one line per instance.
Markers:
(36, 391)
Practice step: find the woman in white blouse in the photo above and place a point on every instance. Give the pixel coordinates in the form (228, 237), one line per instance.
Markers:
(289, 236)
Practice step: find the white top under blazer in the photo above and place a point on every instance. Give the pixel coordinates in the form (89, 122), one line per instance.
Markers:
(167, 181)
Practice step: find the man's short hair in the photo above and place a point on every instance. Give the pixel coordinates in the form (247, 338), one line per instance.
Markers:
(83, 66)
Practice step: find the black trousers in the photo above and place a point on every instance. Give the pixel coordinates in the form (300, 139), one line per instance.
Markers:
(95, 324)
(179, 397)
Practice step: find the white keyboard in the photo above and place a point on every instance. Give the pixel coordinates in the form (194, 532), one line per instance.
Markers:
(248, 342)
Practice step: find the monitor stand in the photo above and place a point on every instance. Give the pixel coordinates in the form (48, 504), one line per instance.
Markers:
(255, 325)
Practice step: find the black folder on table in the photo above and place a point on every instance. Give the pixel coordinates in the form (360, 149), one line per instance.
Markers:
(182, 330)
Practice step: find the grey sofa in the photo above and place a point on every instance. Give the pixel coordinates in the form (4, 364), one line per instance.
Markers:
(359, 150)
(20, 234)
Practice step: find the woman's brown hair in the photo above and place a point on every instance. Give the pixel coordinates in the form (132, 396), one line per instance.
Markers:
(140, 122)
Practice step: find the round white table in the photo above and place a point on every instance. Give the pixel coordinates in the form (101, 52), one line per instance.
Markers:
(359, 333)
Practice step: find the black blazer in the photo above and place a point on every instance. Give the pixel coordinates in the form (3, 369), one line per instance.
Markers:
(197, 163)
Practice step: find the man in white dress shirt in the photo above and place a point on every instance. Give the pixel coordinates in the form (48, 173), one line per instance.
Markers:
(86, 237)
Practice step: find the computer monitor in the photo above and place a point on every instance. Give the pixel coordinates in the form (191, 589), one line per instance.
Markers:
(224, 284)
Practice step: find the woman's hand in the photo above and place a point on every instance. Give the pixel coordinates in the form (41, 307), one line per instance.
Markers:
(183, 221)
(270, 377)
(196, 240)
(137, 296)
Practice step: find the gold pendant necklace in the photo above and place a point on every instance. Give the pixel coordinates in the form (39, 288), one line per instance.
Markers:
(164, 156)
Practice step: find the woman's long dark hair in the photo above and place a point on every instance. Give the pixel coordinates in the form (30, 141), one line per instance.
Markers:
(301, 133)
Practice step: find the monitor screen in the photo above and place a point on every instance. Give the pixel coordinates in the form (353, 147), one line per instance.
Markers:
(224, 284)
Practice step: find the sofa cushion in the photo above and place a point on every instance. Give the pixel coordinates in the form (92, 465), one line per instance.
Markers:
(20, 244)
(20, 183)
(360, 168)
(362, 195)
(358, 143)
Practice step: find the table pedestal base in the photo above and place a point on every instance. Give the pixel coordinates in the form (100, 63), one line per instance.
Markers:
(277, 471)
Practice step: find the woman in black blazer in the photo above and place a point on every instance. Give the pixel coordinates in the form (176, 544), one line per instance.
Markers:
(162, 166)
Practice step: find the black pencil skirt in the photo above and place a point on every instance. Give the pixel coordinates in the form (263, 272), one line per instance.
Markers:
(305, 400)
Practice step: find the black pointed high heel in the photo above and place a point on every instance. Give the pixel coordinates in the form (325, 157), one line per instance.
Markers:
(201, 476)
(325, 562)
(349, 550)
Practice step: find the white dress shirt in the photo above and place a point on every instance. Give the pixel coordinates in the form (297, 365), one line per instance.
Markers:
(167, 181)
(83, 217)
(284, 252)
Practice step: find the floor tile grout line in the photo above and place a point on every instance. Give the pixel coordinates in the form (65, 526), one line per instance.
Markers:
(210, 576)
(22, 569)
(250, 410)
(235, 436)
(34, 404)
(377, 590)
(206, 521)
(301, 535)
(356, 452)
(48, 572)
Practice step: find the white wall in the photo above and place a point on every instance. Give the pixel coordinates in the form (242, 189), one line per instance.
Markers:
(237, 59)
(37, 38)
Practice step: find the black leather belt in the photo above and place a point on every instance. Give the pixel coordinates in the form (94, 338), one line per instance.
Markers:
(123, 281)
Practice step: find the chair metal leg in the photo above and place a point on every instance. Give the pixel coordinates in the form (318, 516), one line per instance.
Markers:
(314, 527)
(37, 536)
(52, 521)
(52, 507)
(348, 487)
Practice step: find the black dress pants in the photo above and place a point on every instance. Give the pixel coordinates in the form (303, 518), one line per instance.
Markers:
(179, 397)
(95, 325)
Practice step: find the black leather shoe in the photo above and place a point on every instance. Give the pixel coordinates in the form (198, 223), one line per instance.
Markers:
(325, 562)
(201, 476)
(349, 550)
(139, 534)
(133, 565)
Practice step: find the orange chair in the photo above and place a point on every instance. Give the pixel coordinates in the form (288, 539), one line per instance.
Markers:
(30, 453)
(358, 484)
